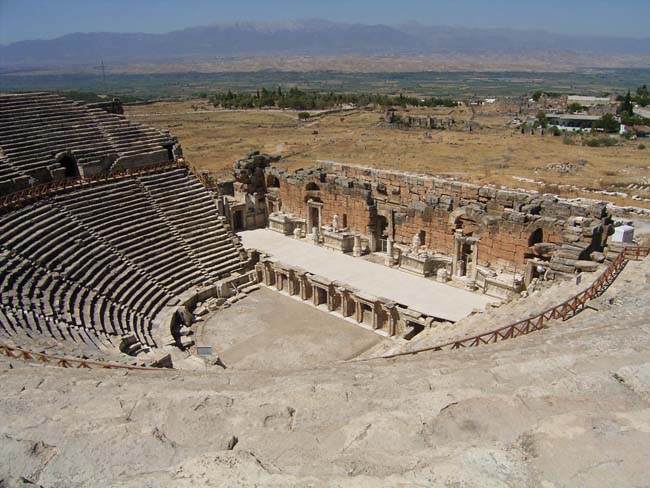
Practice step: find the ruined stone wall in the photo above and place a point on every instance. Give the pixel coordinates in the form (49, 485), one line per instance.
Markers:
(509, 223)
(349, 202)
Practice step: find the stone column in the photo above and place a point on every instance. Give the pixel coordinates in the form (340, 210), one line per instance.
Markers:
(356, 250)
(344, 302)
(314, 295)
(454, 257)
(268, 273)
(320, 217)
(458, 267)
(389, 252)
(278, 280)
(310, 224)
(474, 273)
(292, 283)
(528, 273)
(303, 286)
(392, 325)
(359, 311)
(374, 311)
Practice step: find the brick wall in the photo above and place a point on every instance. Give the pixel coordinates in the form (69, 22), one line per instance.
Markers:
(504, 219)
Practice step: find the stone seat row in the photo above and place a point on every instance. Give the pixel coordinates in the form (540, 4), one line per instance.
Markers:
(60, 341)
(22, 122)
(8, 172)
(96, 265)
(122, 284)
(197, 219)
(33, 288)
(34, 129)
(81, 145)
(107, 259)
(23, 139)
(133, 227)
(17, 322)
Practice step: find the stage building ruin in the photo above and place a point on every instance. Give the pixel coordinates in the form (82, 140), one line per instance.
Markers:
(423, 224)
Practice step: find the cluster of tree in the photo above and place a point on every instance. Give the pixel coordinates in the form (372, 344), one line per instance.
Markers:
(626, 110)
(641, 97)
(538, 94)
(297, 99)
(608, 124)
(575, 107)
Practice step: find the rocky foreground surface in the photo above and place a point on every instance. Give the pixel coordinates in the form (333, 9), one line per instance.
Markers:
(567, 406)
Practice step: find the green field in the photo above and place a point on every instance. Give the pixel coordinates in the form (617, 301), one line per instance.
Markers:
(439, 84)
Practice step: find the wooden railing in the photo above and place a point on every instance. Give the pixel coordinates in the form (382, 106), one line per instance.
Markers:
(66, 362)
(28, 195)
(564, 311)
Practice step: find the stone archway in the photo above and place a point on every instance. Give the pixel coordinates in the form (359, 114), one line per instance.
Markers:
(311, 186)
(69, 163)
(468, 219)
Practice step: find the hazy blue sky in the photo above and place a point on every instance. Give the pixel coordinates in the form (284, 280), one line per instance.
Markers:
(44, 19)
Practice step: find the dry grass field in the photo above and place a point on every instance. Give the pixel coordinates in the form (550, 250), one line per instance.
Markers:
(491, 153)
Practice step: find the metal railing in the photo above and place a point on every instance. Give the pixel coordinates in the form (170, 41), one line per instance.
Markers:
(564, 311)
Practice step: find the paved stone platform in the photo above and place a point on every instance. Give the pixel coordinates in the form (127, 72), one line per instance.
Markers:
(426, 296)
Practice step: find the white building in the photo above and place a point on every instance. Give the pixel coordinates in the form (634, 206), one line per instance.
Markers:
(642, 112)
(572, 122)
(588, 101)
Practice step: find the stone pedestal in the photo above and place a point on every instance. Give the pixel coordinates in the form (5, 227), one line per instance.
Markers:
(338, 241)
(441, 275)
(285, 224)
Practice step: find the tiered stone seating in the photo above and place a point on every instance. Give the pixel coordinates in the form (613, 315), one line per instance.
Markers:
(121, 215)
(52, 267)
(35, 127)
(94, 267)
(8, 176)
(132, 138)
(52, 336)
(190, 209)
(90, 272)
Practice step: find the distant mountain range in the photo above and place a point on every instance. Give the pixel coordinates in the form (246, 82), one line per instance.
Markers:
(306, 37)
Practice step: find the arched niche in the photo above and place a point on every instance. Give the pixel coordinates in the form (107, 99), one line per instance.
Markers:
(311, 186)
(272, 181)
(69, 163)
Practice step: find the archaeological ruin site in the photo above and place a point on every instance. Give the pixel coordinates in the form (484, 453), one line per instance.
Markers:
(336, 325)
